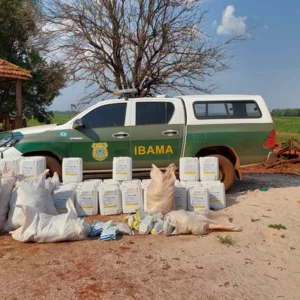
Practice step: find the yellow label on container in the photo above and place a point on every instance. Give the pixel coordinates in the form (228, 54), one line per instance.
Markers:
(71, 174)
(189, 173)
(215, 201)
(131, 204)
(199, 206)
(86, 206)
(110, 206)
(207, 173)
(122, 173)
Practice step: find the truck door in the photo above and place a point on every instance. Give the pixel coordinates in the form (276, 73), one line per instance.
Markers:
(156, 132)
(104, 135)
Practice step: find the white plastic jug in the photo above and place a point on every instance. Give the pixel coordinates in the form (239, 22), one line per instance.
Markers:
(122, 168)
(61, 195)
(86, 201)
(198, 198)
(189, 169)
(217, 195)
(72, 169)
(181, 197)
(12, 163)
(110, 200)
(32, 166)
(132, 198)
(209, 168)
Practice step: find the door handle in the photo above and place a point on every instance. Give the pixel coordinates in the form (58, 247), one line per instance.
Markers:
(170, 132)
(120, 135)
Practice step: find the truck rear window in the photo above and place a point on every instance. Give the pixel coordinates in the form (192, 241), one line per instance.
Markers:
(226, 110)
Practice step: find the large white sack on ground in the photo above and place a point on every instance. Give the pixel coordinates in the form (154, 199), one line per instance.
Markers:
(30, 192)
(43, 228)
(160, 193)
(197, 223)
(7, 181)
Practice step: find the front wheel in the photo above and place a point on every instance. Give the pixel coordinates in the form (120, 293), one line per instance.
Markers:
(226, 171)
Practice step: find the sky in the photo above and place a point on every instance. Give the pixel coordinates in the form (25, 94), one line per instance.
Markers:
(267, 63)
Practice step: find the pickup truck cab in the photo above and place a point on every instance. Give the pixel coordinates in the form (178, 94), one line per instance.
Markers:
(238, 129)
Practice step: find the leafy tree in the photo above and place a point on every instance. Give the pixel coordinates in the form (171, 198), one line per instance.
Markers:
(155, 46)
(19, 30)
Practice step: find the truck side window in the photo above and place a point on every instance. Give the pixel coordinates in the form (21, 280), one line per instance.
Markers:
(154, 112)
(226, 110)
(106, 116)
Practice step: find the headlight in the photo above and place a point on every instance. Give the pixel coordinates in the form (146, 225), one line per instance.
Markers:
(9, 141)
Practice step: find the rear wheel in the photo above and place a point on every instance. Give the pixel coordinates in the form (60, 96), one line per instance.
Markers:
(54, 165)
(226, 171)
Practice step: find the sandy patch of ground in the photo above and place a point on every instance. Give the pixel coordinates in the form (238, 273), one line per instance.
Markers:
(257, 266)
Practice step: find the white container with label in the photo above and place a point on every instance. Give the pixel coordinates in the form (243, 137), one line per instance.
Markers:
(32, 166)
(86, 201)
(181, 197)
(190, 184)
(209, 168)
(111, 181)
(132, 198)
(122, 168)
(72, 169)
(110, 201)
(217, 194)
(189, 169)
(12, 163)
(198, 198)
(61, 195)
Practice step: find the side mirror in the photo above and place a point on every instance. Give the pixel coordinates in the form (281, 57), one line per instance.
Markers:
(78, 124)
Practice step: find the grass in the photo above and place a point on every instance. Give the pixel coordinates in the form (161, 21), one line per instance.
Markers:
(226, 240)
(57, 119)
(287, 127)
(277, 226)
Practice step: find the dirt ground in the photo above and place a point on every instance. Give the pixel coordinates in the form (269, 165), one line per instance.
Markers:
(263, 263)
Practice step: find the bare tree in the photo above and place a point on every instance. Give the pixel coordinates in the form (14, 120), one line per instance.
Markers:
(151, 45)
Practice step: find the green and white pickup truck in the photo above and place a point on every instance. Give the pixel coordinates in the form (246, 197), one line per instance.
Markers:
(238, 129)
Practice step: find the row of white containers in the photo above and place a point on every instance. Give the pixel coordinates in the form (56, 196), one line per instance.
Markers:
(112, 197)
(190, 168)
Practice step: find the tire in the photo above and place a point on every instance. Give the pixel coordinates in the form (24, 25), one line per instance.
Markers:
(227, 171)
(54, 165)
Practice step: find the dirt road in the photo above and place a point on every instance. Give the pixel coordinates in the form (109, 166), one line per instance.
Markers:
(263, 263)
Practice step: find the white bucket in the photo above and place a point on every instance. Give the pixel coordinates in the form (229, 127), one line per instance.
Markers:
(198, 198)
(110, 200)
(122, 168)
(189, 169)
(217, 195)
(72, 169)
(209, 168)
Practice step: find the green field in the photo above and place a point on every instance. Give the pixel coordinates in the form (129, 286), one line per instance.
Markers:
(57, 119)
(286, 127)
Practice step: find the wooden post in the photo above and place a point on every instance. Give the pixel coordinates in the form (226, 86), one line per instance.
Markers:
(18, 123)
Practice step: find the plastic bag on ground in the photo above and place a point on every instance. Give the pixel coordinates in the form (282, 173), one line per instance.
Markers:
(7, 181)
(43, 228)
(146, 225)
(123, 228)
(160, 193)
(185, 222)
(158, 226)
(96, 228)
(109, 231)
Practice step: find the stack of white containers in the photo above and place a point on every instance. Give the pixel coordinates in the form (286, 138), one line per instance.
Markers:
(86, 199)
(61, 194)
(72, 170)
(32, 166)
(209, 193)
(12, 163)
